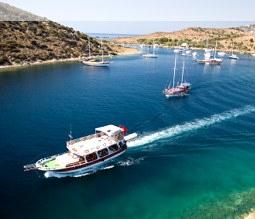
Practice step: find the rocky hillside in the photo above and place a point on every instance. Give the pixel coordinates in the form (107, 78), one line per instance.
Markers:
(200, 38)
(23, 42)
(248, 28)
(10, 13)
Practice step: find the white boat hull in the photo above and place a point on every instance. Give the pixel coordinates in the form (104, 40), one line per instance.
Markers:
(96, 64)
(86, 169)
(150, 56)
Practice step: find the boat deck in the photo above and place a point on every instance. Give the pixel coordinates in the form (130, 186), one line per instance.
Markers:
(90, 145)
(52, 164)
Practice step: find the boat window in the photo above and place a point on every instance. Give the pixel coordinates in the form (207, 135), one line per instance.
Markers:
(113, 148)
(82, 159)
(118, 137)
(91, 157)
(103, 152)
(121, 144)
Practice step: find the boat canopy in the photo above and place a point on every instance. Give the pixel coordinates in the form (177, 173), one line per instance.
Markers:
(109, 130)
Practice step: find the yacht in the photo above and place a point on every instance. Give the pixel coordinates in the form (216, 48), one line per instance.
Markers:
(86, 153)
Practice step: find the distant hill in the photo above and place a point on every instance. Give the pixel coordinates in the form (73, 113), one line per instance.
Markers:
(248, 28)
(242, 38)
(26, 38)
(23, 42)
(11, 13)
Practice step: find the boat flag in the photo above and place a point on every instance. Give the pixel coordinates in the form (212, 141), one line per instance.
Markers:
(124, 129)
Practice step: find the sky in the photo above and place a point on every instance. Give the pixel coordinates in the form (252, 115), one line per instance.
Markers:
(139, 16)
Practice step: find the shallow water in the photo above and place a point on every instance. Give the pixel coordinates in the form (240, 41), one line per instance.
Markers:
(194, 157)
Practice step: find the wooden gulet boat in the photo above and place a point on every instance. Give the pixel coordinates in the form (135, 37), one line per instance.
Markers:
(95, 61)
(180, 90)
(86, 153)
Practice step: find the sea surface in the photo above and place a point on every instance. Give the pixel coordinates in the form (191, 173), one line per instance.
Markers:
(194, 157)
(109, 36)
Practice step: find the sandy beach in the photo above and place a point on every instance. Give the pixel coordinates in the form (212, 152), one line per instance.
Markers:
(251, 215)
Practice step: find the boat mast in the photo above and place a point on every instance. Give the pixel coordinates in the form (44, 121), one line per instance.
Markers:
(89, 50)
(215, 50)
(174, 71)
(183, 71)
(102, 50)
(153, 47)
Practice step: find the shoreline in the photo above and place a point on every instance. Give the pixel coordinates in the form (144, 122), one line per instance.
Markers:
(122, 52)
(52, 61)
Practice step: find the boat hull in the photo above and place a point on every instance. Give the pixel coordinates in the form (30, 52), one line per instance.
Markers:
(176, 95)
(150, 56)
(96, 64)
(233, 57)
(210, 61)
(85, 167)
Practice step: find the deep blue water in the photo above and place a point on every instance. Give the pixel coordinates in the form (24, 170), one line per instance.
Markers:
(194, 157)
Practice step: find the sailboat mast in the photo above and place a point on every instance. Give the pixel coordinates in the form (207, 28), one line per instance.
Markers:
(89, 50)
(174, 71)
(153, 47)
(215, 50)
(102, 50)
(183, 71)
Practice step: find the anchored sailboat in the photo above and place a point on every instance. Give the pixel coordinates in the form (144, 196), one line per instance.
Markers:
(95, 61)
(179, 90)
(153, 55)
(212, 61)
(233, 56)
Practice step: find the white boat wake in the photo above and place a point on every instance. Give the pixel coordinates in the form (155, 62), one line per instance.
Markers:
(130, 161)
(191, 126)
(166, 133)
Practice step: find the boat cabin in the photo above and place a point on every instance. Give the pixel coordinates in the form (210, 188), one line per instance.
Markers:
(106, 140)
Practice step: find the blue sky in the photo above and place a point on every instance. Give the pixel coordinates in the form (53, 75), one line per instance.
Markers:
(79, 13)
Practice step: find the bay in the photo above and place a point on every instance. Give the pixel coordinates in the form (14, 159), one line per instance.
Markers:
(194, 157)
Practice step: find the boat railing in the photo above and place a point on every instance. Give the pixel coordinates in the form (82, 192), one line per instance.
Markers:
(49, 158)
(33, 166)
(73, 141)
(30, 167)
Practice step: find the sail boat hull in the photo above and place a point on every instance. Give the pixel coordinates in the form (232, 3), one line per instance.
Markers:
(96, 63)
(176, 92)
(150, 56)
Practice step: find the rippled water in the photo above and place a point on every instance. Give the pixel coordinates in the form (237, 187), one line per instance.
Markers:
(194, 157)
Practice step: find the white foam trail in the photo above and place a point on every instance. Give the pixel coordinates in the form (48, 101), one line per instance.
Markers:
(130, 161)
(191, 126)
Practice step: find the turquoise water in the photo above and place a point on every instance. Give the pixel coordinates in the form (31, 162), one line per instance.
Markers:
(194, 157)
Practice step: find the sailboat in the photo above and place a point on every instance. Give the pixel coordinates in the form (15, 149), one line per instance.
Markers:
(177, 48)
(153, 54)
(212, 61)
(180, 90)
(94, 61)
(233, 56)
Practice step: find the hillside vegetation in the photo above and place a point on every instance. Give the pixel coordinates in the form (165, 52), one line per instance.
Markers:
(242, 38)
(23, 42)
